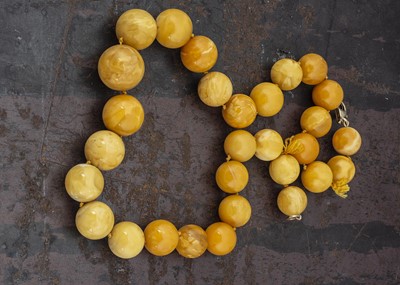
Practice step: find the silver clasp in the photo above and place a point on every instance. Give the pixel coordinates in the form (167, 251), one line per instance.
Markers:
(341, 115)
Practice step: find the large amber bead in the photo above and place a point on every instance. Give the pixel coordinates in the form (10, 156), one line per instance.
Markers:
(105, 150)
(292, 201)
(342, 168)
(232, 176)
(284, 170)
(287, 73)
(316, 120)
(328, 94)
(192, 241)
(199, 54)
(269, 144)
(215, 89)
(137, 28)
(268, 98)
(121, 67)
(346, 141)
(309, 148)
(221, 238)
(174, 28)
(240, 145)
(240, 111)
(161, 237)
(315, 68)
(126, 240)
(235, 210)
(317, 177)
(123, 114)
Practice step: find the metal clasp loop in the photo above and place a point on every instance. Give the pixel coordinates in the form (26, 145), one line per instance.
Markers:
(341, 115)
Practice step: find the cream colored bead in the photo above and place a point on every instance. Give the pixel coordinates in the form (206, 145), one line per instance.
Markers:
(126, 240)
(215, 89)
(284, 170)
(269, 144)
(287, 73)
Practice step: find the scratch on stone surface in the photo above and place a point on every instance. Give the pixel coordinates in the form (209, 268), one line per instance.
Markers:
(379, 39)
(357, 236)
(330, 31)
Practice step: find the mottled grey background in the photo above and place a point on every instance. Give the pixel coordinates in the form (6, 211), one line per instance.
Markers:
(51, 100)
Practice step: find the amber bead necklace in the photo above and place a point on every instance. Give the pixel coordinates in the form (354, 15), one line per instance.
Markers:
(121, 68)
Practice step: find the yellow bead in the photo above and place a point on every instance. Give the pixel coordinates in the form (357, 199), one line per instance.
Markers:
(215, 89)
(346, 141)
(240, 145)
(192, 241)
(137, 28)
(221, 238)
(287, 73)
(316, 121)
(310, 148)
(268, 98)
(174, 28)
(84, 182)
(94, 220)
(232, 176)
(292, 201)
(123, 114)
(161, 237)
(269, 144)
(199, 54)
(328, 94)
(121, 67)
(342, 168)
(284, 170)
(317, 177)
(126, 240)
(240, 111)
(105, 150)
(315, 68)
(235, 210)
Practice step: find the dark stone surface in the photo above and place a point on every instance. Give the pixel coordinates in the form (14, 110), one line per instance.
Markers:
(51, 101)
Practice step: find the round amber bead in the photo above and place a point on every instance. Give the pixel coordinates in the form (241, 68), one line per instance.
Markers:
(232, 176)
(84, 182)
(192, 241)
(316, 121)
(317, 177)
(235, 210)
(199, 54)
(315, 68)
(137, 28)
(342, 168)
(240, 145)
(309, 148)
(284, 170)
(94, 220)
(268, 98)
(269, 144)
(174, 28)
(215, 89)
(287, 73)
(161, 237)
(105, 150)
(292, 201)
(123, 114)
(126, 240)
(121, 67)
(328, 94)
(221, 238)
(240, 111)
(346, 141)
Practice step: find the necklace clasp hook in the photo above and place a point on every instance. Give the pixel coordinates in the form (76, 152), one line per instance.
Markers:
(341, 115)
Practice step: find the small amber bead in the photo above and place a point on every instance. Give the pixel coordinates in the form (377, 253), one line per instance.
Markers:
(315, 68)
(84, 182)
(269, 144)
(94, 220)
(328, 94)
(137, 28)
(240, 111)
(232, 176)
(161, 237)
(221, 238)
(310, 148)
(287, 73)
(316, 120)
(126, 240)
(342, 168)
(215, 89)
(284, 170)
(292, 201)
(240, 145)
(192, 241)
(174, 28)
(235, 210)
(121, 67)
(123, 114)
(346, 141)
(199, 54)
(105, 150)
(317, 177)
(268, 98)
